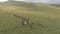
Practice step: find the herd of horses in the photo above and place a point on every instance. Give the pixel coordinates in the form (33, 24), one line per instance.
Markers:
(25, 21)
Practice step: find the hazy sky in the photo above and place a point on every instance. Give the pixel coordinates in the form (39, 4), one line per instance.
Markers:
(3, 0)
(20, 0)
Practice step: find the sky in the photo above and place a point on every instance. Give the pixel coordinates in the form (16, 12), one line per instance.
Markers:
(3, 0)
(7, 0)
(20, 0)
(43, 1)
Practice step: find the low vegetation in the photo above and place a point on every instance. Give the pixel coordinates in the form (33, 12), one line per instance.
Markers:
(43, 19)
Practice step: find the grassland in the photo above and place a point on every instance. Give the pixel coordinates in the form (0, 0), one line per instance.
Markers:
(47, 15)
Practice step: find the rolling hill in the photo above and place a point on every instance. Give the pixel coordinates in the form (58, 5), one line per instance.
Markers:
(46, 15)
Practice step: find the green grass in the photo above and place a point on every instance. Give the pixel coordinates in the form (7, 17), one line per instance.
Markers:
(48, 16)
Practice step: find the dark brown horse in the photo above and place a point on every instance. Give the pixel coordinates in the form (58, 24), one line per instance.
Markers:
(24, 20)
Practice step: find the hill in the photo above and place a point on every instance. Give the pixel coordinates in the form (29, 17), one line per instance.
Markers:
(55, 5)
(45, 18)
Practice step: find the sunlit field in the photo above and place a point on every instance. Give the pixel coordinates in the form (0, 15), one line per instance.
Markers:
(46, 15)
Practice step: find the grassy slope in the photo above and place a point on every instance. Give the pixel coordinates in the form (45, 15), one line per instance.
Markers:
(57, 5)
(44, 14)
